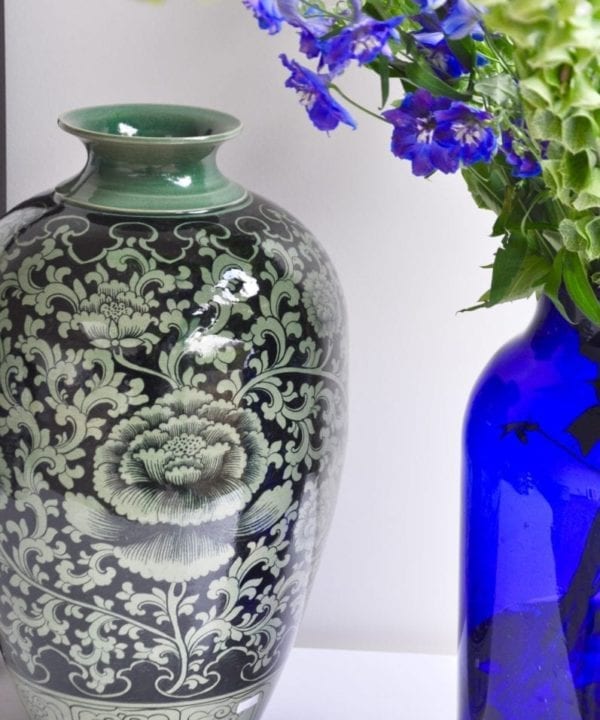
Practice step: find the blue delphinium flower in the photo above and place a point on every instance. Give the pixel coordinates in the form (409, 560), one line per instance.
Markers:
(436, 133)
(459, 18)
(462, 19)
(440, 56)
(267, 13)
(525, 164)
(309, 43)
(324, 112)
(414, 137)
(312, 18)
(312, 23)
(469, 129)
(363, 41)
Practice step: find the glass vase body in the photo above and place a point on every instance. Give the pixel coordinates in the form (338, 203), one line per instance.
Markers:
(530, 640)
(172, 404)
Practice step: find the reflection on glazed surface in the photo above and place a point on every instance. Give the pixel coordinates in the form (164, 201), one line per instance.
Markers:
(173, 404)
(530, 645)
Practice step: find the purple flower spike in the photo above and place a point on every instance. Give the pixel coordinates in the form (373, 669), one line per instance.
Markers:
(436, 133)
(363, 42)
(324, 112)
(267, 13)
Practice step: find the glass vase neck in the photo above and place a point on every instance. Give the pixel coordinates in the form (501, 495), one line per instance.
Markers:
(549, 321)
(151, 160)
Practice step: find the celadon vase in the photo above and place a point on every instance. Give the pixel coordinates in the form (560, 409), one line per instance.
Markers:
(173, 410)
(530, 646)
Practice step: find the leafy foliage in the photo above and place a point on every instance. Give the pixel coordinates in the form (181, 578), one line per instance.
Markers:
(507, 92)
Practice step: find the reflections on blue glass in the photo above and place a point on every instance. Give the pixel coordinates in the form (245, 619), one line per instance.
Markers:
(531, 584)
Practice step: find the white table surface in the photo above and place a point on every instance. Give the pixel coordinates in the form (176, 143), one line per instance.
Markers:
(356, 685)
(344, 685)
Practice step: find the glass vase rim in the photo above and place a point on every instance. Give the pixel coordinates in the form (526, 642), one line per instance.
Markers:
(171, 124)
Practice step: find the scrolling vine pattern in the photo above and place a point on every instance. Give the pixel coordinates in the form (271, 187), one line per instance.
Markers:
(172, 418)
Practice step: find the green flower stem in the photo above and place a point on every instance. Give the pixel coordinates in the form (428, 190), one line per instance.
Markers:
(363, 109)
(323, 11)
(120, 358)
(498, 56)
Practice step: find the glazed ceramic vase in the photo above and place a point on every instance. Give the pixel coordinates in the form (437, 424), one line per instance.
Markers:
(172, 401)
(530, 645)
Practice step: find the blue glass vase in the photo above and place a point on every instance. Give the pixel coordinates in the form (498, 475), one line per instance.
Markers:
(530, 625)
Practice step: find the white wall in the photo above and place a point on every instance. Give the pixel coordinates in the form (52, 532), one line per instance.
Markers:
(408, 253)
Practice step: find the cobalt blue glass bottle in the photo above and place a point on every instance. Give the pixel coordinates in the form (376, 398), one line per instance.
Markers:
(530, 641)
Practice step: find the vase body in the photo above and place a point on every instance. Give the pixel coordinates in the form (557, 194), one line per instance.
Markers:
(530, 641)
(173, 414)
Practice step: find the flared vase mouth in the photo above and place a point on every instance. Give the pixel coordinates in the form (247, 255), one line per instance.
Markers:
(151, 159)
(151, 124)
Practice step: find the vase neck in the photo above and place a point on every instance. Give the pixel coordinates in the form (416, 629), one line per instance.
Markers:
(549, 323)
(151, 160)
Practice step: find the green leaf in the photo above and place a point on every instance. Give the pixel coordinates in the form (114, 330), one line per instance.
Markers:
(536, 91)
(483, 302)
(472, 308)
(554, 279)
(421, 75)
(487, 185)
(589, 197)
(593, 233)
(552, 175)
(554, 283)
(465, 51)
(507, 265)
(375, 9)
(571, 237)
(583, 93)
(579, 133)
(579, 287)
(532, 276)
(498, 88)
(384, 73)
(545, 125)
(576, 170)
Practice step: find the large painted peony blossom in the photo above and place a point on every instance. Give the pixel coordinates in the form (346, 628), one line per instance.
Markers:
(176, 482)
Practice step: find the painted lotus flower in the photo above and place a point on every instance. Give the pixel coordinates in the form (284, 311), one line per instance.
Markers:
(176, 481)
(115, 316)
(322, 303)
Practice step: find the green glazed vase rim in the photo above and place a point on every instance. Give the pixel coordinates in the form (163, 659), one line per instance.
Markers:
(151, 159)
(150, 123)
